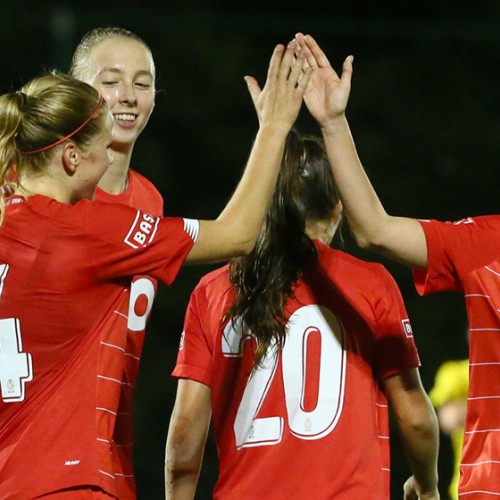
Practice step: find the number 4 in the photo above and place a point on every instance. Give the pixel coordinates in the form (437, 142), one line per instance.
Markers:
(15, 365)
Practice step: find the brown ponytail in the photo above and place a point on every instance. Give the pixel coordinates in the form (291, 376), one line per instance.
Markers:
(263, 280)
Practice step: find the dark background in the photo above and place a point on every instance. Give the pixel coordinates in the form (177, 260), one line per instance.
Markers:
(423, 109)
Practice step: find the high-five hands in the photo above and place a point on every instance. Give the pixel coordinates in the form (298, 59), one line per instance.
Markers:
(288, 76)
(326, 95)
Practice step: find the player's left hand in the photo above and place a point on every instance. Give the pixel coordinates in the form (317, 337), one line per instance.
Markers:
(412, 491)
(327, 94)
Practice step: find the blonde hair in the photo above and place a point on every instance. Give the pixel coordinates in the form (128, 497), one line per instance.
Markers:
(79, 63)
(37, 116)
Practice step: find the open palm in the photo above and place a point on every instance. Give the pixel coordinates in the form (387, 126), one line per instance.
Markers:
(326, 95)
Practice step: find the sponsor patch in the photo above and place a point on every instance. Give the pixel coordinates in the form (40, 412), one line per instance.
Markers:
(142, 231)
(407, 328)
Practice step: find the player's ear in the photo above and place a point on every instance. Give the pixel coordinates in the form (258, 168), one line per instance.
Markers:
(70, 157)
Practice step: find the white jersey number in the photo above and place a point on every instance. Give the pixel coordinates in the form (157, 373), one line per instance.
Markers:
(249, 429)
(141, 287)
(15, 366)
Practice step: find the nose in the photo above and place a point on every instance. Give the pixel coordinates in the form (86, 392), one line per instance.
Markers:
(127, 94)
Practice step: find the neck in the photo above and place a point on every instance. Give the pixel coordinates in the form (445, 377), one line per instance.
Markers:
(46, 186)
(321, 230)
(115, 180)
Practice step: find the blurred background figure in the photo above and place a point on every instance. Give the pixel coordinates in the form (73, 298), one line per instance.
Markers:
(449, 397)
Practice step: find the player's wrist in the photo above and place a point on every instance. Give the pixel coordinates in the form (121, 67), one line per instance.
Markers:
(333, 124)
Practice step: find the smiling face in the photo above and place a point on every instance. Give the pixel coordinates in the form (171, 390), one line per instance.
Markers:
(122, 70)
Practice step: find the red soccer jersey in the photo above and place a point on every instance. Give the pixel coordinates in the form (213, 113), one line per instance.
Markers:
(312, 423)
(64, 270)
(465, 256)
(136, 304)
(140, 193)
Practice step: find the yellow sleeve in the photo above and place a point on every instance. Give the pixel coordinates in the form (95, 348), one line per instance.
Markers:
(451, 382)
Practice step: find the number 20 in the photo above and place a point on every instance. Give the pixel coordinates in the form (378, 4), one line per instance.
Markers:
(249, 429)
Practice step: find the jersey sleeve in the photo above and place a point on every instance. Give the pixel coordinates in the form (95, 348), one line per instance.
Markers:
(123, 242)
(395, 349)
(194, 360)
(453, 250)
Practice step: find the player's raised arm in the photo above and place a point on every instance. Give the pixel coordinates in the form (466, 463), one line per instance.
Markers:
(278, 103)
(326, 98)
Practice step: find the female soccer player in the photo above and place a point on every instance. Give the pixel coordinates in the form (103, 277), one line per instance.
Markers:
(120, 65)
(461, 256)
(66, 262)
(290, 349)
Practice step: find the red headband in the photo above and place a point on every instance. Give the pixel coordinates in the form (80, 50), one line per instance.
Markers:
(65, 138)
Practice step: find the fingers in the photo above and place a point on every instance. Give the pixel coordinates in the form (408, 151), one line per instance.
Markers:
(304, 80)
(288, 62)
(347, 70)
(409, 492)
(284, 64)
(297, 72)
(317, 55)
(274, 64)
(253, 88)
(310, 59)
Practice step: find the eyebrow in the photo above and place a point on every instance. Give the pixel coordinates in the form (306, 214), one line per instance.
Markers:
(119, 71)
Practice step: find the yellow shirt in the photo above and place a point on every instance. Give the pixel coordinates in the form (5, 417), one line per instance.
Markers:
(451, 384)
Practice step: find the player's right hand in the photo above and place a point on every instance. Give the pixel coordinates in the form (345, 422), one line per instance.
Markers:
(278, 102)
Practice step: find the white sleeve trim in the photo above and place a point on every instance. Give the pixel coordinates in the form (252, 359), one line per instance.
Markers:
(192, 227)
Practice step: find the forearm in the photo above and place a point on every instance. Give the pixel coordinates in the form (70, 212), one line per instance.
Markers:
(239, 224)
(364, 211)
(248, 206)
(420, 438)
(399, 238)
(186, 438)
(418, 429)
(183, 459)
(236, 230)
(181, 482)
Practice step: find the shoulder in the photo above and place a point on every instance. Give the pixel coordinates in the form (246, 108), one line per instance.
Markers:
(480, 223)
(96, 217)
(141, 186)
(213, 293)
(346, 267)
(137, 179)
(76, 212)
(467, 243)
(140, 193)
(490, 222)
(214, 280)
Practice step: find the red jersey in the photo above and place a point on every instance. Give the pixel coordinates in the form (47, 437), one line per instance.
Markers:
(64, 270)
(312, 422)
(465, 256)
(140, 193)
(136, 304)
